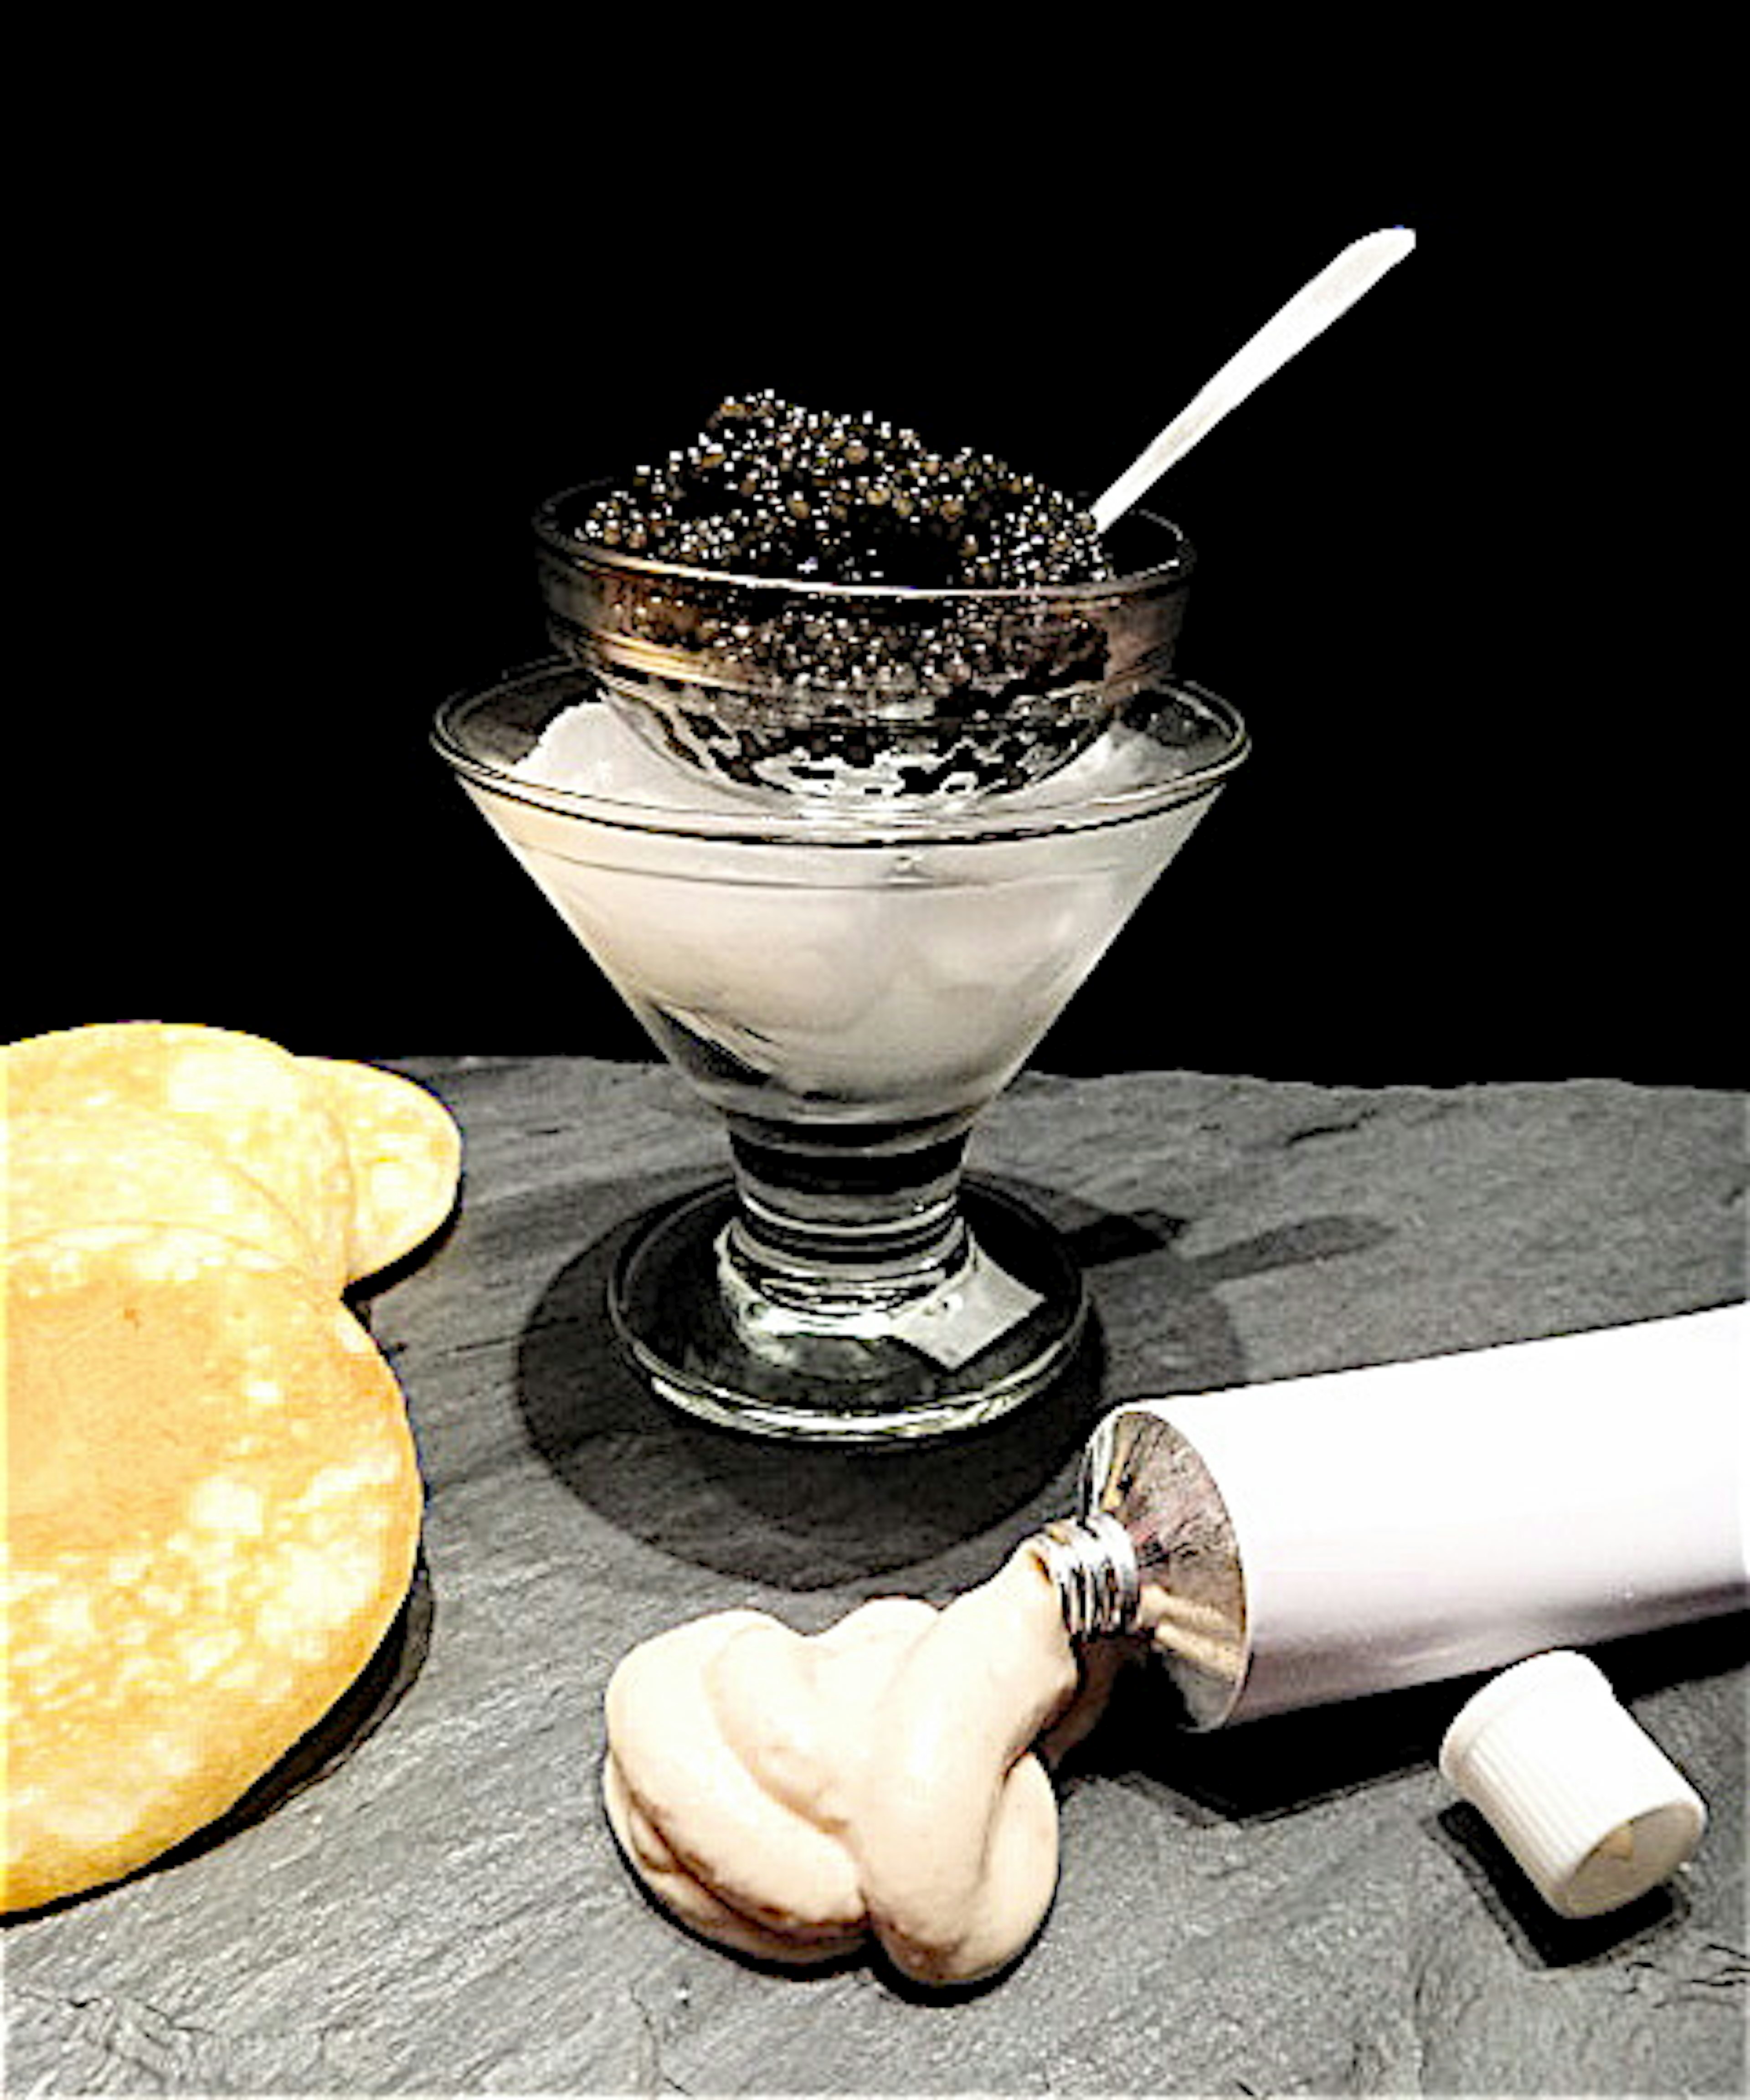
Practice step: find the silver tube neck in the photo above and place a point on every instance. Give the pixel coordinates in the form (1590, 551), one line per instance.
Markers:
(1092, 1565)
(1154, 1553)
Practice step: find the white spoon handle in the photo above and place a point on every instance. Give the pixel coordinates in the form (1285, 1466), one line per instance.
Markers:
(1309, 313)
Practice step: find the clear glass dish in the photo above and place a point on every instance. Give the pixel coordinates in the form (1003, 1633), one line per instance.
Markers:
(848, 977)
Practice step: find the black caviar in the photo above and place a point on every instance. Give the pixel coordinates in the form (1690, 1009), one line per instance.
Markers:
(769, 488)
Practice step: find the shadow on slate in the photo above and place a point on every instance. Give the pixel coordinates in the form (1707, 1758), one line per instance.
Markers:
(1264, 1770)
(810, 1517)
(1542, 1938)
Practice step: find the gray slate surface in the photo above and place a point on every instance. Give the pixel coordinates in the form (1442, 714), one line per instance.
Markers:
(1297, 1906)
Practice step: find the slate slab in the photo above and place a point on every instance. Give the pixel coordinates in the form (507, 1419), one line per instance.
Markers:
(429, 1900)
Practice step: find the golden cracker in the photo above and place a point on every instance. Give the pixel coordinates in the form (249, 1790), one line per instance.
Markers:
(405, 1153)
(116, 1165)
(213, 1511)
(249, 1099)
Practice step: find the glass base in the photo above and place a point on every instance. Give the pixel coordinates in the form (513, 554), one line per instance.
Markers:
(993, 1333)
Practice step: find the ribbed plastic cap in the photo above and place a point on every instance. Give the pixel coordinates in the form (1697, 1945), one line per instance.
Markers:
(1579, 1793)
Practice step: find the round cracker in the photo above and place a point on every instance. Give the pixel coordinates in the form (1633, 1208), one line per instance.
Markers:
(115, 1165)
(249, 1099)
(405, 1153)
(213, 1511)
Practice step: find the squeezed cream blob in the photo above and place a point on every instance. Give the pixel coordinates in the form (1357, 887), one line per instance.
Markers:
(789, 1794)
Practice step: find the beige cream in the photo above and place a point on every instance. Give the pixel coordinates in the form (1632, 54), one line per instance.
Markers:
(789, 1795)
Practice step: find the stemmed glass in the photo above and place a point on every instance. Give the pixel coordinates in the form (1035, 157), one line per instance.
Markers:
(845, 851)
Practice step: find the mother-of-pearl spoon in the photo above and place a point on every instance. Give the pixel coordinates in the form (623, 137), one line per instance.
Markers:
(1309, 313)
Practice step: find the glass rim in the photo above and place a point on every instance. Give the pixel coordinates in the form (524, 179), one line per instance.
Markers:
(847, 824)
(576, 552)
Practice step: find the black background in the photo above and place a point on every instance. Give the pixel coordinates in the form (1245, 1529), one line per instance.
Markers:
(305, 356)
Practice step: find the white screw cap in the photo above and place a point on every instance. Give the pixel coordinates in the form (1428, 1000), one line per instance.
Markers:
(1579, 1793)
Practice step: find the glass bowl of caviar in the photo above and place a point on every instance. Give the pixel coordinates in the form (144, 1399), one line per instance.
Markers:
(822, 604)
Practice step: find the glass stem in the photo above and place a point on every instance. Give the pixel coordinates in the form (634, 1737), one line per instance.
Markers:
(840, 1222)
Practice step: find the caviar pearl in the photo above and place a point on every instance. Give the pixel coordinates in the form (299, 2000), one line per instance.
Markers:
(767, 483)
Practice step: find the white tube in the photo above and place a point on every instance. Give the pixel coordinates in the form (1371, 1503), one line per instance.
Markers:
(1416, 1521)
